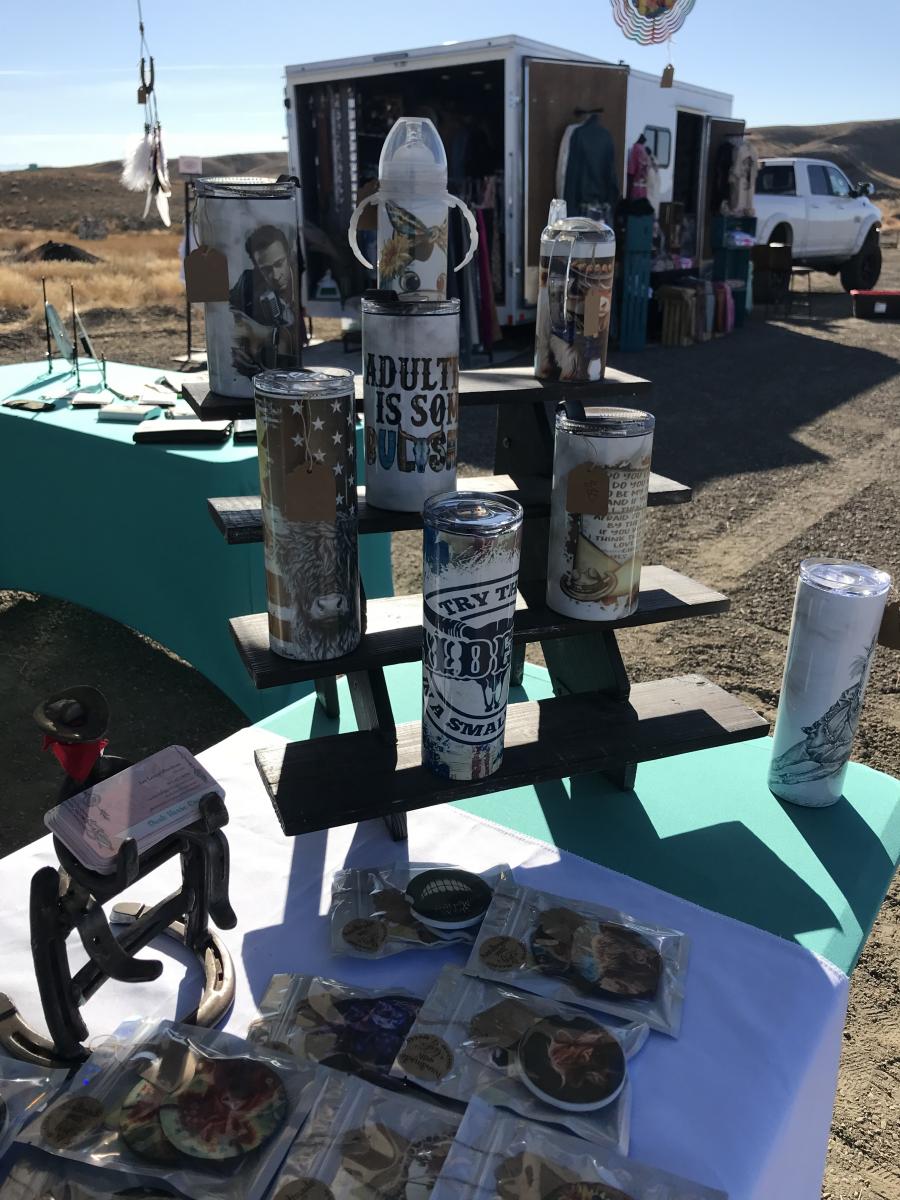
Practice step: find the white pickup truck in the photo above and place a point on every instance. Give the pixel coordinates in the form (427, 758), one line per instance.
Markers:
(811, 206)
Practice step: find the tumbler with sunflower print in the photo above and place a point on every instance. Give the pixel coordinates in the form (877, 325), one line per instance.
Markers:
(413, 213)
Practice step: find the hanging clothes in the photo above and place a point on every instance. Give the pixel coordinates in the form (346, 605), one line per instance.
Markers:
(654, 185)
(638, 170)
(742, 177)
(591, 169)
(562, 158)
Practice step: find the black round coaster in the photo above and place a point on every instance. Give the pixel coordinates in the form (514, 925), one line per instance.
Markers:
(572, 1063)
(446, 898)
(612, 960)
(552, 939)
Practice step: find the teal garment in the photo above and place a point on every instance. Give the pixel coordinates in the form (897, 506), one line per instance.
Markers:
(703, 826)
(87, 515)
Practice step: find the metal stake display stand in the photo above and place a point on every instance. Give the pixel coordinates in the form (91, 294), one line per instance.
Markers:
(596, 722)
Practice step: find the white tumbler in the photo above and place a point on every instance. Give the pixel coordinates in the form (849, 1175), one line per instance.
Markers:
(837, 615)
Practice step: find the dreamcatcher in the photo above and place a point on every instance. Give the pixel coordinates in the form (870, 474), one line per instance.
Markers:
(650, 21)
(145, 169)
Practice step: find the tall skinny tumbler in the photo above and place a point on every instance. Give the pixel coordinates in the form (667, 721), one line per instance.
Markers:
(306, 429)
(472, 546)
(837, 614)
(601, 474)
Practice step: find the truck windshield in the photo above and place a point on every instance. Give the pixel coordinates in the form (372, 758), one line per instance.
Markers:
(776, 180)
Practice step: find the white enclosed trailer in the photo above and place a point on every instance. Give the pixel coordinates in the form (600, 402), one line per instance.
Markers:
(501, 106)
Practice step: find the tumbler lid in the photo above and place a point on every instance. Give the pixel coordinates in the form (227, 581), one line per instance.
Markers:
(227, 187)
(607, 421)
(324, 382)
(475, 514)
(847, 578)
(392, 304)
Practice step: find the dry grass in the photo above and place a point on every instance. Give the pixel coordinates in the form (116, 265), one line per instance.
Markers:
(139, 270)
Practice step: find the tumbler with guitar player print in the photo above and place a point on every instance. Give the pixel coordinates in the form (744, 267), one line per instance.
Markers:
(257, 323)
(601, 475)
(413, 213)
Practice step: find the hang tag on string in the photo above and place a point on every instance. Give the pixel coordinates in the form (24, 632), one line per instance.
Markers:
(206, 275)
(587, 490)
(889, 633)
(668, 76)
(310, 494)
(142, 95)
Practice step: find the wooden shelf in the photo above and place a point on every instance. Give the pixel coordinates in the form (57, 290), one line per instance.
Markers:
(348, 777)
(394, 627)
(496, 385)
(240, 520)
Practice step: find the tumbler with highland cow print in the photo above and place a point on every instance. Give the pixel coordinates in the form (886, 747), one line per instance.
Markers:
(306, 422)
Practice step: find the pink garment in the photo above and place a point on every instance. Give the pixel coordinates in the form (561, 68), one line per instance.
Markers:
(638, 170)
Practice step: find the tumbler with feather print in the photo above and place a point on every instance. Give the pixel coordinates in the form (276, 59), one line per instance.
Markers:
(306, 426)
(837, 615)
(413, 213)
(574, 305)
(472, 545)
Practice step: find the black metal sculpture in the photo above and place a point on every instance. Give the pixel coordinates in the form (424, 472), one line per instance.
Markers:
(70, 899)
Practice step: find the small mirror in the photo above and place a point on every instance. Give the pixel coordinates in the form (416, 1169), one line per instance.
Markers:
(865, 189)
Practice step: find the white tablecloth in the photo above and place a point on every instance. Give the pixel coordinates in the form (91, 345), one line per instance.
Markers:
(741, 1101)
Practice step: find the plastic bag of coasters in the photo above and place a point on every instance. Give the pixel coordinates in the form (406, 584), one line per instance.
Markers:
(500, 1157)
(199, 1111)
(544, 1060)
(339, 1025)
(365, 1143)
(378, 911)
(36, 1176)
(25, 1090)
(585, 954)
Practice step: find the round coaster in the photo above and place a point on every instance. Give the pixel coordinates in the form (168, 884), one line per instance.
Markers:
(572, 1063)
(365, 933)
(230, 1107)
(503, 953)
(446, 898)
(615, 961)
(425, 1056)
(587, 1191)
(139, 1125)
(304, 1189)
(72, 1121)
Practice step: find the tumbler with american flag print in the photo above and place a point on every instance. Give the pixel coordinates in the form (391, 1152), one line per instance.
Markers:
(306, 423)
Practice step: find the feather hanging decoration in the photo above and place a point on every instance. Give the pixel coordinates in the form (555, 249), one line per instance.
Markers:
(136, 168)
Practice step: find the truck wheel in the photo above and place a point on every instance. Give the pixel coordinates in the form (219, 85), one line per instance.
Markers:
(864, 268)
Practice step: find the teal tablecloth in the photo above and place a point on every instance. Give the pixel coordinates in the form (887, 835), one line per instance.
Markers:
(703, 826)
(87, 515)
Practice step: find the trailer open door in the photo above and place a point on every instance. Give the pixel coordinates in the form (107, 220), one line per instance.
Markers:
(717, 130)
(553, 92)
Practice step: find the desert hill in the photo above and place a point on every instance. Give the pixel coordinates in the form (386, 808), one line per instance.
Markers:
(62, 197)
(864, 150)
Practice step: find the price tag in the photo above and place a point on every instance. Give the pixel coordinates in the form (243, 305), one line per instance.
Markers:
(206, 275)
(593, 308)
(310, 495)
(142, 95)
(587, 490)
(889, 633)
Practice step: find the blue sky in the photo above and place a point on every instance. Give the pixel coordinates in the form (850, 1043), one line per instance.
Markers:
(68, 72)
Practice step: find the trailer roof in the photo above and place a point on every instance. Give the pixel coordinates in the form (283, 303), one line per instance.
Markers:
(506, 41)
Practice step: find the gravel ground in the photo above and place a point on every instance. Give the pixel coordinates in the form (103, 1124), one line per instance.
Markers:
(787, 431)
